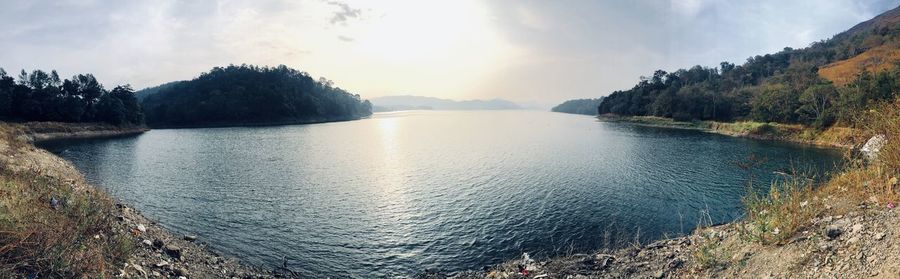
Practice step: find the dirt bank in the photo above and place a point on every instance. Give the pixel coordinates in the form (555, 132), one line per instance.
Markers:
(48, 131)
(54, 224)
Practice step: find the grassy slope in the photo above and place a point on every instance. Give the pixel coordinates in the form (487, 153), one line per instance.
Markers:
(76, 238)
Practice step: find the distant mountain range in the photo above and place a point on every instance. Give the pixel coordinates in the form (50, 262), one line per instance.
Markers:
(408, 102)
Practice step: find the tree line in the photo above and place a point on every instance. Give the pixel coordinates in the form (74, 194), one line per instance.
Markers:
(781, 87)
(247, 94)
(43, 96)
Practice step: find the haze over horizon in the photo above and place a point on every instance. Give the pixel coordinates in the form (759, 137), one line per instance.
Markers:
(524, 51)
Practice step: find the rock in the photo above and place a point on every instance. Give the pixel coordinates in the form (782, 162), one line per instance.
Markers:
(173, 251)
(162, 264)
(873, 147)
(659, 274)
(857, 228)
(141, 228)
(120, 218)
(879, 236)
(675, 263)
(147, 242)
(139, 269)
(158, 243)
(604, 260)
(833, 232)
(180, 271)
(190, 237)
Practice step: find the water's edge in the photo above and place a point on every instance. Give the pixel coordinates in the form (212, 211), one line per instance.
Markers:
(203, 259)
(777, 132)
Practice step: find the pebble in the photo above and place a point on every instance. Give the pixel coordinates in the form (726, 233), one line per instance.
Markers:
(173, 251)
(180, 271)
(879, 236)
(857, 228)
(832, 232)
(141, 228)
(190, 237)
(147, 242)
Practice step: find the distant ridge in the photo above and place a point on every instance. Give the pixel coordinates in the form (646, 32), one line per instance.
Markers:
(410, 102)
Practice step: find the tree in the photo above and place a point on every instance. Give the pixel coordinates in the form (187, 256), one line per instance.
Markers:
(43, 96)
(775, 103)
(7, 85)
(132, 109)
(111, 110)
(815, 105)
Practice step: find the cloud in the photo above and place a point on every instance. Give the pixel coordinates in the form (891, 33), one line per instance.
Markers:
(345, 38)
(690, 8)
(346, 12)
(512, 49)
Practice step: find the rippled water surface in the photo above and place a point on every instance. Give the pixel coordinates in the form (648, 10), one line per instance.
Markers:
(401, 192)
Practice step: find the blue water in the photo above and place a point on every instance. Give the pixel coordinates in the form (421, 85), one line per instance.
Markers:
(453, 190)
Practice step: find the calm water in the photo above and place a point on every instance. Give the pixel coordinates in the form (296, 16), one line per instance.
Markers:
(398, 193)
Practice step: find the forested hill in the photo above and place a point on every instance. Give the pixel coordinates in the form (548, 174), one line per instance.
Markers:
(820, 85)
(579, 106)
(250, 95)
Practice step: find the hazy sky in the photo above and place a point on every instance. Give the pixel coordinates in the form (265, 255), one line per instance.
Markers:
(527, 51)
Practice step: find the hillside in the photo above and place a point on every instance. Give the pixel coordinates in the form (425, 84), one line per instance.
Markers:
(250, 95)
(408, 102)
(824, 84)
(579, 106)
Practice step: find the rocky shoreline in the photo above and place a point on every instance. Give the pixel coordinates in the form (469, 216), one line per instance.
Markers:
(155, 251)
(862, 243)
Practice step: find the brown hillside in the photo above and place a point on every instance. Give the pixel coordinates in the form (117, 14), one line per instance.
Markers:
(874, 60)
(874, 45)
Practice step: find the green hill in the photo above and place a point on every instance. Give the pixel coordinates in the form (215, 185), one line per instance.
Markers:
(820, 85)
(250, 95)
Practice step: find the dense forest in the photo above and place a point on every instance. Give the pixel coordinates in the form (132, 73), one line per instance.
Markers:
(579, 106)
(791, 86)
(246, 95)
(42, 96)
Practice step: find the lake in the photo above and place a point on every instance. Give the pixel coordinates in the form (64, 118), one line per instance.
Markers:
(453, 190)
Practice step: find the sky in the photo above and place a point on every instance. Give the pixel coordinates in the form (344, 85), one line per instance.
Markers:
(533, 52)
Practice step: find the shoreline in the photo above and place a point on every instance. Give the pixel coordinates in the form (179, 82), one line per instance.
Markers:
(832, 137)
(37, 132)
(150, 250)
(261, 124)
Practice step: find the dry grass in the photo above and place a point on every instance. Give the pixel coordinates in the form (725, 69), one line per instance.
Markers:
(874, 60)
(790, 204)
(775, 217)
(76, 238)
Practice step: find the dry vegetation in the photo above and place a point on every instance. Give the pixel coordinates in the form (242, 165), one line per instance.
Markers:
(874, 60)
(52, 227)
(790, 204)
